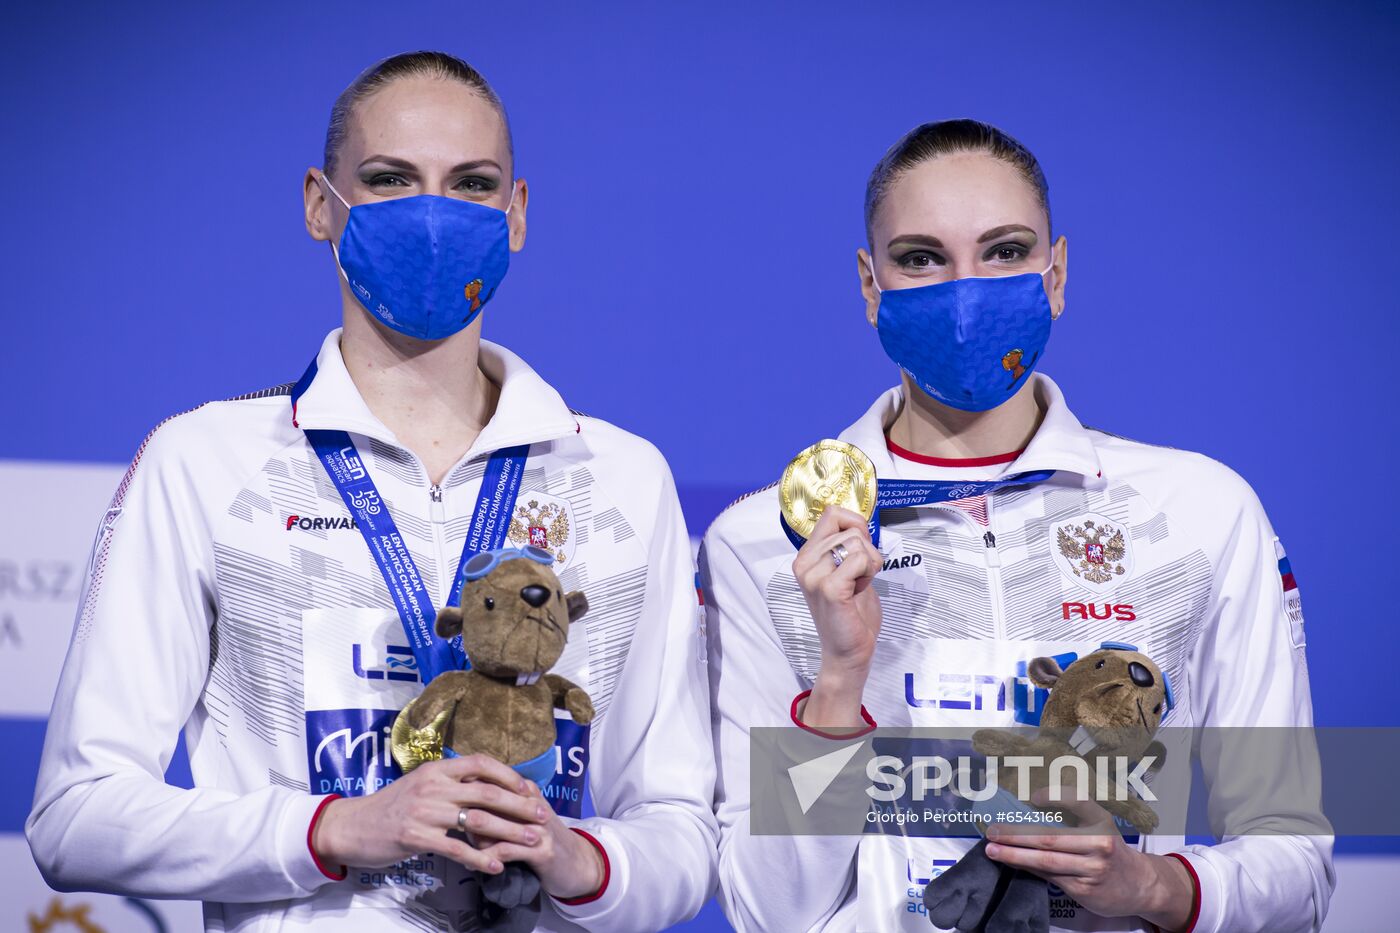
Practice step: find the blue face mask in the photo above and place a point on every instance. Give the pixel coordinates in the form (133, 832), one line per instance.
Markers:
(425, 265)
(970, 343)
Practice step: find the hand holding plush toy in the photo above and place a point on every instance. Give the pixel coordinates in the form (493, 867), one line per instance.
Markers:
(1105, 705)
(514, 621)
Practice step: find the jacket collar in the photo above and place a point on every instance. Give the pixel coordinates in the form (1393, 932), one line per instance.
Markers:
(529, 410)
(1061, 443)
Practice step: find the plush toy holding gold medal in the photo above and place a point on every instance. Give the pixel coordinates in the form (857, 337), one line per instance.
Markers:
(514, 621)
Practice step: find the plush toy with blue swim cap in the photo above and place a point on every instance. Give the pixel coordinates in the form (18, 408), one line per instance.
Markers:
(514, 619)
(1103, 707)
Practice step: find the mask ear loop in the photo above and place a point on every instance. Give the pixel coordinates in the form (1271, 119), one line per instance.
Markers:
(870, 264)
(335, 251)
(323, 178)
(1047, 290)
(1052, 263)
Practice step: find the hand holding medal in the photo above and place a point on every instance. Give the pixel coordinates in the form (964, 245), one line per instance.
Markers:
(831, 501)
(828, 495)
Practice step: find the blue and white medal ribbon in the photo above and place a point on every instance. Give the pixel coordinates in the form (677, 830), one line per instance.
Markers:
(500, 487)
(907, 493)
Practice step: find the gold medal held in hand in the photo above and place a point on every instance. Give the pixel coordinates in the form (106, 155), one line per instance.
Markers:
(827, 473)
(411, 747)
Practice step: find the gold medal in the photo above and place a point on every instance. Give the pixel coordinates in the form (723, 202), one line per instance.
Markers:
(827, 473)
(411, 747)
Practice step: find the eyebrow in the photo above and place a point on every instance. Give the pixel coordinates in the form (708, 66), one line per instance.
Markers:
(409, 166)
(915, 239)
(1003, 230)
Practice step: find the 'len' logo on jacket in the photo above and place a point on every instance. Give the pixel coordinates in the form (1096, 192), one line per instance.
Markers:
(399, 664)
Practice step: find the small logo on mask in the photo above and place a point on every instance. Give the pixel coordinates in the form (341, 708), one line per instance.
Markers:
(473, 293)
(1011, 362)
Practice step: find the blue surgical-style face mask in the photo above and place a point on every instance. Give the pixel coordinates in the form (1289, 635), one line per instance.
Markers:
(970, 343)
(423, 265)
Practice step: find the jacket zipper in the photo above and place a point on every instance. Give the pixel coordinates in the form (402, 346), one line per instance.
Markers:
(993, 558)
(994, 576)
(437, 513)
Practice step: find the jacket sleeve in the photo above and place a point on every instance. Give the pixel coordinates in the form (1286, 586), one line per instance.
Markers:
(1248, 671)
(767, 882)
(103, 817)
(652, 771)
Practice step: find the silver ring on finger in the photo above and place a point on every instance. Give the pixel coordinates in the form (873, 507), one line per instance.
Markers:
(839, 554)
(462, 820)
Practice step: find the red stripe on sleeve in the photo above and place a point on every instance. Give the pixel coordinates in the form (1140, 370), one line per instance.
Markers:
(864, 714)
(311, 831)
(607, 873)
(1195, 890)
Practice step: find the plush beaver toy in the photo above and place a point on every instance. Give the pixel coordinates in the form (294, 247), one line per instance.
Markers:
(514, 621)
(1105, 705)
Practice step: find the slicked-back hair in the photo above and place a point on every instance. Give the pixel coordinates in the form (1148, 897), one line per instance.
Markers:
(405, 65)
(944, 137)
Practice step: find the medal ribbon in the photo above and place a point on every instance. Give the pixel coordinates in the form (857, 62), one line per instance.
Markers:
(499, 488)
(907, 493)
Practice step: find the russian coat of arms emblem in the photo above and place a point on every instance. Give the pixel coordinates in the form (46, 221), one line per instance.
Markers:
(1093, 550)
(543, 523)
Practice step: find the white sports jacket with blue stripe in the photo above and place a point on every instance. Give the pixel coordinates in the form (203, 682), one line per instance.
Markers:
(230, 595)
(969, 590)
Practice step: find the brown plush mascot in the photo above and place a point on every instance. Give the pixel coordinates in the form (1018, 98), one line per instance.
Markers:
(1105, 705)
(514, 621)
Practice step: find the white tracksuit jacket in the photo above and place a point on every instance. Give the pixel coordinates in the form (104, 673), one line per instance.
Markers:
(228, 595)
(968, 590)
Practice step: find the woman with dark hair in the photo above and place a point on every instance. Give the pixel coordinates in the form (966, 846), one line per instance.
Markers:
(1033, 536)
(237, 591)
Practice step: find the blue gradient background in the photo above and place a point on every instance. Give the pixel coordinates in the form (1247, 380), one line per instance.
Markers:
(1225, 174)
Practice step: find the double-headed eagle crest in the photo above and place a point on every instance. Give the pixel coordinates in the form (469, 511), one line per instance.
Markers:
(1090, 556)
(544, 526)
